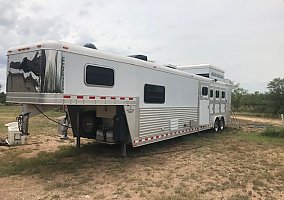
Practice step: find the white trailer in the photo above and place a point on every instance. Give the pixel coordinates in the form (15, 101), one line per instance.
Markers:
(114, 98)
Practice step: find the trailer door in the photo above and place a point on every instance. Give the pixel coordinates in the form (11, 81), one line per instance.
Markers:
(204, 104)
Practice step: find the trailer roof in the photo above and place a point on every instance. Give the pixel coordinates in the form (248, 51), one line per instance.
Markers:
(200, 66)
(72, 48)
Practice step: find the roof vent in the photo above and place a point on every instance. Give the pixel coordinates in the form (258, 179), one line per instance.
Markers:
(141, 57)
(90, 45)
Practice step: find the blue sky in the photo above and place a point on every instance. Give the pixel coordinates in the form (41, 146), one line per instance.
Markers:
(243, 37)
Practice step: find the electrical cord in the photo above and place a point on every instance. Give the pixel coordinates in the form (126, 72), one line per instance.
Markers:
(51, 118)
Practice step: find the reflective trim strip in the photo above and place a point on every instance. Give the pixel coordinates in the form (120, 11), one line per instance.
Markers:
(177, 133)
(67, 99)
(97, 97)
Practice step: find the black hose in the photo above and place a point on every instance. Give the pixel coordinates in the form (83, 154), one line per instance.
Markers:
(51, 118)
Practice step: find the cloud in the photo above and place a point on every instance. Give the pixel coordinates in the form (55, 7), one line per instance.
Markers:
(42, 28)
(243, 37)
(8, 14)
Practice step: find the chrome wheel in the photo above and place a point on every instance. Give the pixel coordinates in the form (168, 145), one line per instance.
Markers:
(216, 125)
(221, 124)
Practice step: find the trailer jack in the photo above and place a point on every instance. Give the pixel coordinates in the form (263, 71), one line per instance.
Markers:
(23, 123)
(123, 149)
(65, 126)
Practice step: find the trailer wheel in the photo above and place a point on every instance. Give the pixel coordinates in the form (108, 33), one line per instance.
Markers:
(222, 124)
(216, 125)
(88, 124)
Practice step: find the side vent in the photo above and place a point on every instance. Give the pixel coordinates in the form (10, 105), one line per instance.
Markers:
(141, 57)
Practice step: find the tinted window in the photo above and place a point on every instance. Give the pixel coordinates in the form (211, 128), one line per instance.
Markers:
(154, 94)
(217, 94)
(204, 91)
(211, 93)
(99, 76)
(223, 95)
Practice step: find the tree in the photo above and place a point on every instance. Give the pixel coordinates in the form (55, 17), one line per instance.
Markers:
(237, 95)
(2, 98)
(276, 95)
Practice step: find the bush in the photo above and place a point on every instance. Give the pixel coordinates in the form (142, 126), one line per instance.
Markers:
(272, 131)
(2, 98)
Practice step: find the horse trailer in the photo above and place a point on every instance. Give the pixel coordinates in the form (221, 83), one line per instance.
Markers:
(113, 98)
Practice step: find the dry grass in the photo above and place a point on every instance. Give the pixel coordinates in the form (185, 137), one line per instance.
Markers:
(232, 165)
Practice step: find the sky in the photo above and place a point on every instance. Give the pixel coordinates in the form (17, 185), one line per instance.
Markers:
(243, 37)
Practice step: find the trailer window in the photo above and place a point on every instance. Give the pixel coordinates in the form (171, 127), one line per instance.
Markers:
(211, 93)
(204, 91)
(154, 94)
(217, 94)
(99, 76)
(223, 94)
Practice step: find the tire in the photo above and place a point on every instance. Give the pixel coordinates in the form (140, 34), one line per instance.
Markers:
(216, 125)
(221, 124)
(88, 124)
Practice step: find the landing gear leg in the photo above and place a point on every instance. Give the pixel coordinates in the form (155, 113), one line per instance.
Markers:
(78, 141)
(123, 149)
(23, 123)
(65, 126)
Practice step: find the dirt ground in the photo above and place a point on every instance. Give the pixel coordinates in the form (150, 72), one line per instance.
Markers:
(201, 166)
(259, 120)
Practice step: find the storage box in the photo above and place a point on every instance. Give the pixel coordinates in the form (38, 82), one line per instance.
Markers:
(15, 137)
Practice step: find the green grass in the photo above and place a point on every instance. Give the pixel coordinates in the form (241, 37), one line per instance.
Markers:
(272, 131)
(67, 159)
(37, 124)
(261, 138)
(7, 114)
(70, 159)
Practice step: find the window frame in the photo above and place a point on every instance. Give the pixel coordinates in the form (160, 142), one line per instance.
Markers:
(211, 97)
(217, 91)
(207, 91)
(99, 66)
(146, 100)
(223, 92)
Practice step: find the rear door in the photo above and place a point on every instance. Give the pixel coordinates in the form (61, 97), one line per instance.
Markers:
(204, 104)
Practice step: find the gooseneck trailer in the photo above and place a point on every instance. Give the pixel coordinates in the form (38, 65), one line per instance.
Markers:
(113, 98)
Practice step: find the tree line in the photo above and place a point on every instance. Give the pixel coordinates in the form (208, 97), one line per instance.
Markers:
(271, 102)
(2, 96)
